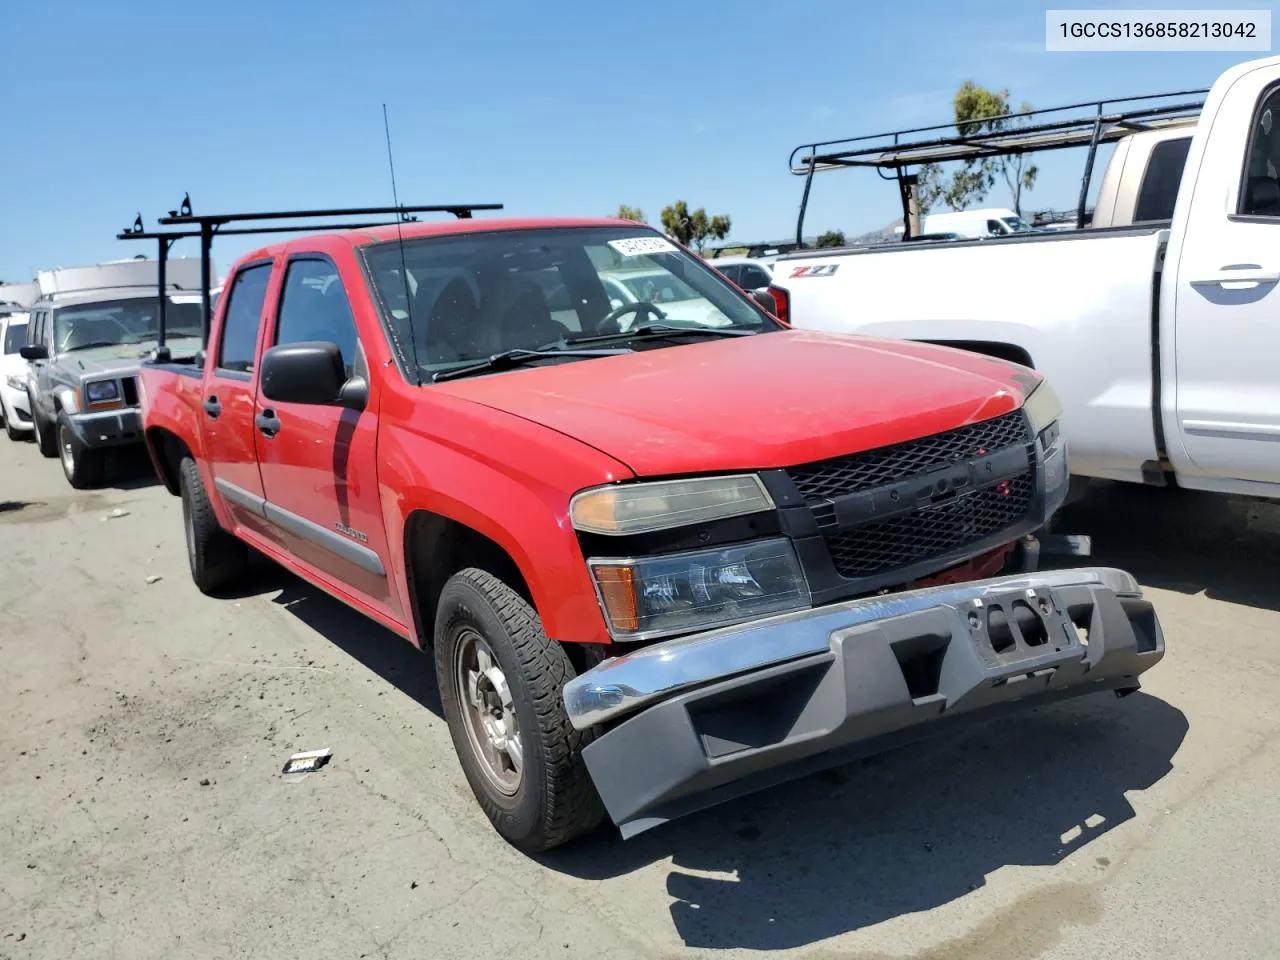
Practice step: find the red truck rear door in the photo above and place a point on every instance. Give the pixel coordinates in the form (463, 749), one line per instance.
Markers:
(230, 386)
(318, 462)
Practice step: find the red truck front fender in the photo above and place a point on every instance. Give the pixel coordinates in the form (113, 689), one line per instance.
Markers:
(517, 496)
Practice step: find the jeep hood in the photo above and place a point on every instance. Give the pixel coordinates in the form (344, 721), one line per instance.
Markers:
(771, 400)
(115, 360)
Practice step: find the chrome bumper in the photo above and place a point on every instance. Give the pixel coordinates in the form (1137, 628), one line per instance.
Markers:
(700, 720)
(625, 684)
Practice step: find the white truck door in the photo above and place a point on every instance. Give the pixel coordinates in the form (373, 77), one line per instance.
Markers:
(1222, 396)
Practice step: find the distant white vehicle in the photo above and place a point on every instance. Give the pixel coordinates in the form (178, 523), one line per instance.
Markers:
(986, 222)
(15, 409)
(749, 273)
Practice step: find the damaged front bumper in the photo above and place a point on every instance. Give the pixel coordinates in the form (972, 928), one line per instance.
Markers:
(700, 720)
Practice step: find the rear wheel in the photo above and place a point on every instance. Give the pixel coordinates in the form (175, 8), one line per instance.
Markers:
(83, 466)
(500, 680)
(215, 557)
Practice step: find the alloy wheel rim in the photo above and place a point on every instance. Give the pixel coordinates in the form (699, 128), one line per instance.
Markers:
(488, 712)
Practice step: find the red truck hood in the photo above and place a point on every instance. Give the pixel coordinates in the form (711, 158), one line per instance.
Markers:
(755, 402)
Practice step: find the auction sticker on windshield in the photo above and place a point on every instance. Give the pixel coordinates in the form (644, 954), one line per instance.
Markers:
(639, 246)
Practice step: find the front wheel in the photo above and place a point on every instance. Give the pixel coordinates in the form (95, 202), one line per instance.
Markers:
(46, 435)
(83, 466)
(500, 680)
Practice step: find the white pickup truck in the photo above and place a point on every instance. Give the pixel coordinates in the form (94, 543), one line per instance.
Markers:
(1161, 339)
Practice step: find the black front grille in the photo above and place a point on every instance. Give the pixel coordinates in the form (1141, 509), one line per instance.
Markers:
(861, 471)
(129, 386)
(933, 531)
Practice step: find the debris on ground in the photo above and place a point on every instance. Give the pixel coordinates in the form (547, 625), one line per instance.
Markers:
(116, 514)
(154, 578)
(307, 762)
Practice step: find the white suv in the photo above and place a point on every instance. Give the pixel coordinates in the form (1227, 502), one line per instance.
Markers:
(15, 408)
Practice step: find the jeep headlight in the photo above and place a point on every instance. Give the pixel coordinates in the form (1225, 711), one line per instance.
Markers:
(101, 391)
(648, 597)
(622, 509)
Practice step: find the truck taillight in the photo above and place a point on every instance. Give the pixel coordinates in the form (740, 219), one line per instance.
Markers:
(783, 301)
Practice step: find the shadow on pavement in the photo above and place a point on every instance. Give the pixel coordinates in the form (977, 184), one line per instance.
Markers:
(129, 468)
(903, 832)
(1181, 540)
(376, 648)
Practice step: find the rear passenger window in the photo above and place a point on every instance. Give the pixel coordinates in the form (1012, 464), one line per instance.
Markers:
(314, 307)
(239, 339)
(753, 278)
(1160, 183)
(1260, 192)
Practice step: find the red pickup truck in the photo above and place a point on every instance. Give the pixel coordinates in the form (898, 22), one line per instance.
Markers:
(664, 549)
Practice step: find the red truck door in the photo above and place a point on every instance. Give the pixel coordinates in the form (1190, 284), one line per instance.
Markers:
(229, 388)
(319, 472)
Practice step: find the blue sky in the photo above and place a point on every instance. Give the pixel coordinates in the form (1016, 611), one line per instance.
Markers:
(557, 108)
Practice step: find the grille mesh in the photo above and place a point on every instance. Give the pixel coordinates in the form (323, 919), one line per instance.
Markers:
(861, 471)
(936, 530)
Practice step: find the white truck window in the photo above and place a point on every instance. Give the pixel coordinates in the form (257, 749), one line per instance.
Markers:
(1159, 190)
(1260, 196)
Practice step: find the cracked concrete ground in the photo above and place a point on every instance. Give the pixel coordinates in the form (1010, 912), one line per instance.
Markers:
(143, 728)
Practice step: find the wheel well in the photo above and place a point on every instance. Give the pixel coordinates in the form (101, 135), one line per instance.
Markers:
(169, 450)
(990, 348)
(435, 548)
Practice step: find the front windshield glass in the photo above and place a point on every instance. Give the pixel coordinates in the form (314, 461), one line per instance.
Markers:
(469, 296)
(82, 326)
(1017, 225)
(15, 335)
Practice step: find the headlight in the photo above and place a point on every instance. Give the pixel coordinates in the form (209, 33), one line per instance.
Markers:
(16, 382)
(1042, 407)
(654, 596)
(101, 391)
(643, 507)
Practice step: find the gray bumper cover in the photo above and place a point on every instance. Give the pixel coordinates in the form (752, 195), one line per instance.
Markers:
(703, 719)
(109, 428)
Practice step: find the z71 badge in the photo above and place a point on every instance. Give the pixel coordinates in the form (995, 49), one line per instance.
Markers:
(825, 270)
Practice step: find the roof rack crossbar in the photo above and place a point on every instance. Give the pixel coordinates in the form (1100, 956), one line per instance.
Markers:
(211, 224)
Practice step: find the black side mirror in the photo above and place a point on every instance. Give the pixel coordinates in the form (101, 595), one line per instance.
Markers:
(311, 373)
(764, 299)
(34, 351)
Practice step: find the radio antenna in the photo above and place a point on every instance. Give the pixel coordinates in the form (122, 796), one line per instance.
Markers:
(404, 269)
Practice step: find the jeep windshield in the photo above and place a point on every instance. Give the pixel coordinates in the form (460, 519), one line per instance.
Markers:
(109, 323)
(468, 297)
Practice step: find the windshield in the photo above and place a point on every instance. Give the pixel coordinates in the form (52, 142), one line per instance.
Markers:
(470, 296)
(15, 335)
(1016, 224)
(112, 322)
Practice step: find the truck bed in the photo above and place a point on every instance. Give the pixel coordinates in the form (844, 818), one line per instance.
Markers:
(1078, 304)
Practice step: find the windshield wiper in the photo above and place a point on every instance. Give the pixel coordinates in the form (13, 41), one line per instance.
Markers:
(94, 345)
(658, 331)
(516, 358)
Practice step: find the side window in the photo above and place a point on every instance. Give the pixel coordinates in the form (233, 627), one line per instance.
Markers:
(32, 327)
(1260, 191)
(753, 278)
(1160, 182)
(239, 338)
(314, 307)
(995, 228)
(733, 272)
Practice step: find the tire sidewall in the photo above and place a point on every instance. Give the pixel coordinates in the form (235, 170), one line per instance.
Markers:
(461, 604)
(188, 524)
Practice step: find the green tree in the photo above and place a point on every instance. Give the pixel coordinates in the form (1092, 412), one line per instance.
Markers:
(978, 110)
(630, 213)
(832, 238)
(696, 228)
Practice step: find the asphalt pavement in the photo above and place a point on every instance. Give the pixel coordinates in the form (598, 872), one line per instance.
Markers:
(143, 728)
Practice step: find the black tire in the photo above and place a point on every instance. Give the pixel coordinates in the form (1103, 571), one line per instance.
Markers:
(83, 466)
(11, 433)
(216, 558)
(46, 436)
(555, 801)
